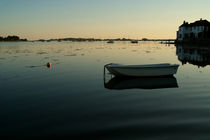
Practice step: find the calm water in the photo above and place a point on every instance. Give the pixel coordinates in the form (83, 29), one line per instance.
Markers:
(70, 98)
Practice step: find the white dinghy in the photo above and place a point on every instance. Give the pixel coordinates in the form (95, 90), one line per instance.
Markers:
(152, 70)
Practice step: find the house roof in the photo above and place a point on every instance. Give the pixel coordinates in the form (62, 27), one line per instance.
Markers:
(196, 23)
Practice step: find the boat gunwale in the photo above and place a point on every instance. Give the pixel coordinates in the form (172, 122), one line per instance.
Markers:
(142, 66)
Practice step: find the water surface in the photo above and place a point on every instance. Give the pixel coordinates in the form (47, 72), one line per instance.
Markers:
(70, 98)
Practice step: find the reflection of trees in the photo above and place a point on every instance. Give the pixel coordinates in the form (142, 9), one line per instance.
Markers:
(196, 55)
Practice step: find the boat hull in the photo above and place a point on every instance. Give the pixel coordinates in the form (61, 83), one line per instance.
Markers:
(144, 71)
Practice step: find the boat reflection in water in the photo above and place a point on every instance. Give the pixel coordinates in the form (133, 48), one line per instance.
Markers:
(198, 55)
(121, 83)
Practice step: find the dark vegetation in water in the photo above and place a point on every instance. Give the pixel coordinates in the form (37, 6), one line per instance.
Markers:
(11, 38)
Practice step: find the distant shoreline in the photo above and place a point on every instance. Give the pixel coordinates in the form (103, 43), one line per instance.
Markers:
(93, 39)
(18, 39)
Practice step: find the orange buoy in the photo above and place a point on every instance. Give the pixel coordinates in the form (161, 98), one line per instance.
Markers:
(49, 64)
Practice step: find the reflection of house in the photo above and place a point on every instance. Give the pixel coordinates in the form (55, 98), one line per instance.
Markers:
(197, 31)
(196, 55)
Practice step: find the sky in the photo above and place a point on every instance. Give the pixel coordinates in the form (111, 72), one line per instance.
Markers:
(46, 19)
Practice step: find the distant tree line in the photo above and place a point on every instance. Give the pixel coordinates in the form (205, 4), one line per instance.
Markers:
(94, 39)
(11, 38)
(83, 39)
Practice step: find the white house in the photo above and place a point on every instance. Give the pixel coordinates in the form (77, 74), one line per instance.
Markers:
(198, 30)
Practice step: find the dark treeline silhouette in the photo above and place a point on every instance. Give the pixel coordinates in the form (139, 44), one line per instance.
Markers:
(83, 39)
(12, 38)
(94, 39)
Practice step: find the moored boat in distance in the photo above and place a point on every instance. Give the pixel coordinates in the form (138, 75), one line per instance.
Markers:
(134, 41)
(151, 70)
(110, 41)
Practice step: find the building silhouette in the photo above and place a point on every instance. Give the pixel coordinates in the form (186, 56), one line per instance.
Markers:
(198, 31)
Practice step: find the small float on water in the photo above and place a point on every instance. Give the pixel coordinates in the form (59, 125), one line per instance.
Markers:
(49, 65)
(152, 70)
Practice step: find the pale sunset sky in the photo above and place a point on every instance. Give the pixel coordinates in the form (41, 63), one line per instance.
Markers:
(45, 19)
